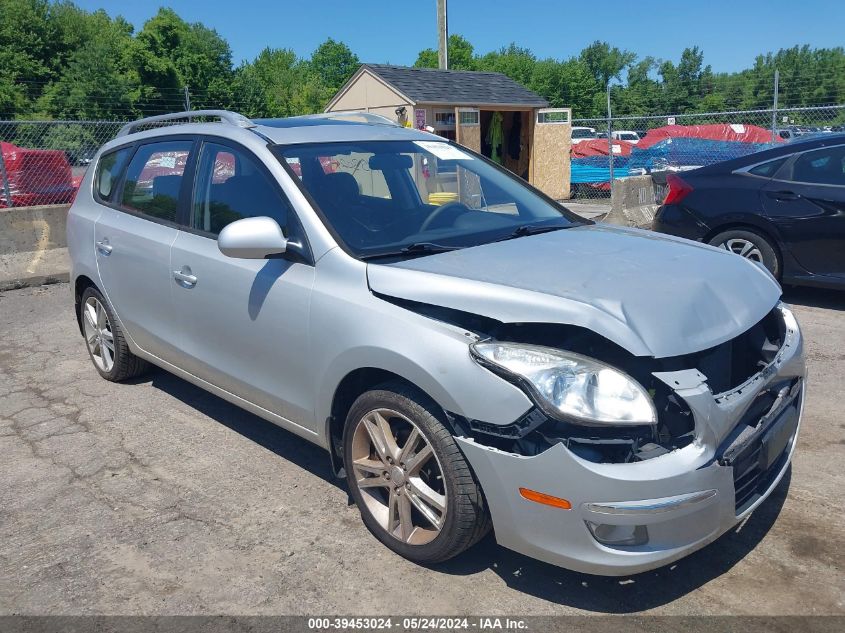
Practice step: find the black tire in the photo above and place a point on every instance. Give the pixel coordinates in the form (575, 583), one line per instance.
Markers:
(768, 251)
(467, 520)
(125, 365)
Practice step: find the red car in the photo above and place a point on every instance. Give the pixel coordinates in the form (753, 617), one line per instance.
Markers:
(35, 177)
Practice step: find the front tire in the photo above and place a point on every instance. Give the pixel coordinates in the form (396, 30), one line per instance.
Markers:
(104, 338)
(416, 492)
(751, 245)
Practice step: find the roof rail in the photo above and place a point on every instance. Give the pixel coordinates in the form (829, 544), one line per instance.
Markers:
(356, 116)
(232, 118)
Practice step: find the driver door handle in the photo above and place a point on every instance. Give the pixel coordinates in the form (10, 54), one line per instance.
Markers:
(783, 195)
(104, 247)
(185, 278)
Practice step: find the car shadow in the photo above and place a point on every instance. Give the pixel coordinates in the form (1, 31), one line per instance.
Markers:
(814, 297)
(583, 591)
(285, 444)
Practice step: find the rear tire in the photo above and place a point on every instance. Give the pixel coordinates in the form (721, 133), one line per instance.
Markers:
(104, 338)
(444, 508)
(751, 245)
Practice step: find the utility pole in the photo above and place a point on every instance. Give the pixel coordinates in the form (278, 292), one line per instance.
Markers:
(442, 36)
(187, 100)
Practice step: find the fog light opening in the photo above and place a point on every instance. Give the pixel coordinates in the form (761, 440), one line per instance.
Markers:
(615, 535)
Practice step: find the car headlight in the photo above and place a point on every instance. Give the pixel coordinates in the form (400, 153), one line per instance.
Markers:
(569, 386)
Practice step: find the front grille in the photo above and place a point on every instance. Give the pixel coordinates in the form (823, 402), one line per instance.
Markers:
(750, 484)
(749, 449)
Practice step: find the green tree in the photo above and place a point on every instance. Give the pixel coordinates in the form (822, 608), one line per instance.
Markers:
(606, 62)
(514, 61)
(97, 81)
(577, 88)
(334, 63)
(278, 83)
(169, 54)
(565, 84)
(94, 85)
(461, 55)
(642, 93)
(26, 35)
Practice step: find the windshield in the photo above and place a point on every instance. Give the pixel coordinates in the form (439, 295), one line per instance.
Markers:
(583, 133)
(412, 198)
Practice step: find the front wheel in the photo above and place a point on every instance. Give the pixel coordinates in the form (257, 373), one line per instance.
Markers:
(415, 490)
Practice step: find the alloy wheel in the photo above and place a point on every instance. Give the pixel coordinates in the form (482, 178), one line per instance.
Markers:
(98, 334)
(743, 248)
(399, 476)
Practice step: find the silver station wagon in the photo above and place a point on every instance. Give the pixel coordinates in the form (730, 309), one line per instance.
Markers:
(470, 353)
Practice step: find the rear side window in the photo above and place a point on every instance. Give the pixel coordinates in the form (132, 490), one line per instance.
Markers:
(154, 179)
(231, 185)
(768, 170)
(822, 167)
(108, 173)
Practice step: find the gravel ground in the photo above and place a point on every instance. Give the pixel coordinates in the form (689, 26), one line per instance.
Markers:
(156, 498)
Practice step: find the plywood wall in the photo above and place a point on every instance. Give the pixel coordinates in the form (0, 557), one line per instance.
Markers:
(468, 135)
(550, 157)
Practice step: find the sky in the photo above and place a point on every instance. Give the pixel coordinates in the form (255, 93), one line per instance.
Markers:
(730, 32)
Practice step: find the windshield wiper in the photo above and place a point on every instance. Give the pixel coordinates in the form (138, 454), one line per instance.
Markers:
(417, 248)
(533, 229)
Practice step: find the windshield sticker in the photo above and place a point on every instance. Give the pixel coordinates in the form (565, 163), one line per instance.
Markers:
(443, 151)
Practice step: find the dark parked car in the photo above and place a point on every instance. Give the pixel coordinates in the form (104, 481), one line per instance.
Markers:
(783, 207)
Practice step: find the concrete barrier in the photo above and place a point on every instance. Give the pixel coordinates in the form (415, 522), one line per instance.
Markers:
(634, 203)
(33, 246)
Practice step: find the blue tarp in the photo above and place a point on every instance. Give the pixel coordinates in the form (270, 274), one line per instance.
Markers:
(674, 152)
(597, 169)
(689, 152)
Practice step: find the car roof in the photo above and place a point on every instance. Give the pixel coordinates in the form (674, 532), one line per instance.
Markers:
(781, 149)
(319, 128)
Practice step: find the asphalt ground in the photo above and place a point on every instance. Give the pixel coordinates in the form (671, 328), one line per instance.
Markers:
(154, 497)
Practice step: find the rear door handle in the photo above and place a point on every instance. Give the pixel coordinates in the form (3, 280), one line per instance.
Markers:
(104, 247)
(783, 195)
(186, 279)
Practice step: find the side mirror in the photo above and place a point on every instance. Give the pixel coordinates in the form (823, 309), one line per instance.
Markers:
(252, 238)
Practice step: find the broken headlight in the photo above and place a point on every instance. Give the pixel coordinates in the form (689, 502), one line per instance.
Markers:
(569, 386)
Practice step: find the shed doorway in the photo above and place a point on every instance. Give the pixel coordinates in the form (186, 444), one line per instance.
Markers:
(514, 149)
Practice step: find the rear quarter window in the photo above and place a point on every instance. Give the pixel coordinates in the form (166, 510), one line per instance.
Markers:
(767, 170)
(108, 173)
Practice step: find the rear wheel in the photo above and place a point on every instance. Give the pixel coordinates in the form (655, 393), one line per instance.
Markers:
(415, 491)
(750, 245)
(106, 344)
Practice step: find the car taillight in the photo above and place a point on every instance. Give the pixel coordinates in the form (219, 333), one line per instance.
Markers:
(678, 189)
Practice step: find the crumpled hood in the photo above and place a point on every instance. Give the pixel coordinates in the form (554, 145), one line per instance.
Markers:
(653, 294)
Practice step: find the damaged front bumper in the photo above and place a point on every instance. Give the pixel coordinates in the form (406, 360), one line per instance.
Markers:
(631, 517)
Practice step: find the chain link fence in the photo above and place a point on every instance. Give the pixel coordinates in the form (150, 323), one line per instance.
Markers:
(42, 162)
(605, 151)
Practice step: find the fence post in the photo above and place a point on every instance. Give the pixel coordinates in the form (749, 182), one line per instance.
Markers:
(4, 179)
(610, 142)
(775, 108)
